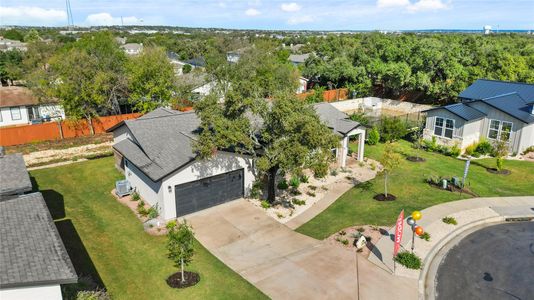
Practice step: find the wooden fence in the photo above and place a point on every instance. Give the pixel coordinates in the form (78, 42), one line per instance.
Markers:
(57, 130)
(328, 96)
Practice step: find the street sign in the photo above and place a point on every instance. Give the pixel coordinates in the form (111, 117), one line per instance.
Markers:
(398, 232)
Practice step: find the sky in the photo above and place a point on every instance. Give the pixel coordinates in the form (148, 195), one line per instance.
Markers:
(276, 14)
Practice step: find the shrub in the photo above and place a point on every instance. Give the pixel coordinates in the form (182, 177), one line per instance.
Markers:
(135, 196)
(409, 260)
(374, 136)
(311, 194)
(392, 129)
(345, 242)
(141, 208)
(470, 150)
(360, 118)
(312, 187)
(449, 220)
(265, 204)
(433, 179)
(484, 147)
(360, 229)
(342, 232)
(298, 201)
(294, 181)
(279, 215)
(334, 172)
(304, 179)
(282, 185)
(455, 151)
(324, 188)
(152, 212)
(425, 236)
(255, 192)
(528, 150)
(295, 192)
(93, 295)
(186, 68)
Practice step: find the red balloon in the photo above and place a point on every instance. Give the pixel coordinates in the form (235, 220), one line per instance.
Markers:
(419, 230)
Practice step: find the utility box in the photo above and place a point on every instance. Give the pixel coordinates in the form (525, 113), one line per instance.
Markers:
(123, 188)
(444, 184)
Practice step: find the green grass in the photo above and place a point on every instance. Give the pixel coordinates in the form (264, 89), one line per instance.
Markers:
(357, 206)
(107, 243)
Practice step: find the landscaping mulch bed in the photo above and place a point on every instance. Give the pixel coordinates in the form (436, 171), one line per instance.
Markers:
(382, 197)
(175, 280)
(453, 188)
(499, 172)
(415, 159)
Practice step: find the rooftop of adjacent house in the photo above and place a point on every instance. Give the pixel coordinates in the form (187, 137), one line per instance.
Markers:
(13, 174)
(463, 111)
(193, 79)
(132, 46)
(512, 104)
(162, 139)
(484, 88)
(196, 62)
(298, 58)
(16, 96)
(32, 252)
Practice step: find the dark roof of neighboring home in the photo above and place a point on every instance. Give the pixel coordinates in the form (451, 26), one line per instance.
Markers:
(16, 96)
(14, 178)
(335, 119)
(162, 142)
(484, 88)
(196, 62)
(512, 104)
(32, 252)
(463, 111)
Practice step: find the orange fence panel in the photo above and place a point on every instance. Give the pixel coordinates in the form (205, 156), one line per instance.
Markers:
(328, 96)
(51, 131)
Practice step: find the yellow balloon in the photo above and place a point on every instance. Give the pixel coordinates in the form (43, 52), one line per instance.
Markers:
(416, 215)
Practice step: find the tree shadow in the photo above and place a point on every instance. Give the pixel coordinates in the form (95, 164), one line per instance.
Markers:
(89, 279)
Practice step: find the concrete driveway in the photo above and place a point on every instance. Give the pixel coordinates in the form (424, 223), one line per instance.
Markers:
(280, 262)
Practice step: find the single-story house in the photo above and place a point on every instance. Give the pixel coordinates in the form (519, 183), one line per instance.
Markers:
(132, 48)
(33, 260)
(489, 109)
(18, 106)
(176, 63)
(156, 154)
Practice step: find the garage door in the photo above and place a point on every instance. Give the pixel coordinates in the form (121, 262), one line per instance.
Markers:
(208, 192)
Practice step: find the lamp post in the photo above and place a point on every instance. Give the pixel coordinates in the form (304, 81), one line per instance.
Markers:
(416, 215)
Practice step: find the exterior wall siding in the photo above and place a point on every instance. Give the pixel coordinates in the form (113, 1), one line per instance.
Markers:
(7, 120)
(47, 292)
(527, 138)
(457, 135)
(149, 190)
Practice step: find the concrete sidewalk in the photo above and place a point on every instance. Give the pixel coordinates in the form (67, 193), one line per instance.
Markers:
(468, 213)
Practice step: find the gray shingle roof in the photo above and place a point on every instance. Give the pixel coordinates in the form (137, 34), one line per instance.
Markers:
(334, 118)
(513, 105)
(463, 111)
(298, 58)
(14, 177)
(484, 88)
(32, 252)
(163, 143)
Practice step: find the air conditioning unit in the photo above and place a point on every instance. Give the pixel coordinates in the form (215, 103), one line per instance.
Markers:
(123, 188)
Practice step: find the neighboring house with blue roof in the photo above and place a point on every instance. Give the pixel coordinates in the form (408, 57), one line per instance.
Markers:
(489, 109)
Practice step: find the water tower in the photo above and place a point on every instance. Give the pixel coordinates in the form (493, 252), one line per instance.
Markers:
(487, 29)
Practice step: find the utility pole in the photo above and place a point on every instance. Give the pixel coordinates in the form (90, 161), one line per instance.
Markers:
(70, 20)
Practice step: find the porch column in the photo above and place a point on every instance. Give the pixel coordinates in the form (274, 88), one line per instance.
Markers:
(344, 151)
(361, 143)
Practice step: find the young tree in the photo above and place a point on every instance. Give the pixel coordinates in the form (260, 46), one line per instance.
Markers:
(262, 117)
(150, 79)
(180, 240)
(390, 160)
(11, 66)
(500, 150)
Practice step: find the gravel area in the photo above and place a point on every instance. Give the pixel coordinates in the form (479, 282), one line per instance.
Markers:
(56, 155)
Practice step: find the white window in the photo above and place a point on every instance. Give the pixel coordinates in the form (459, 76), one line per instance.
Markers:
(444, 127)
(15, 113)
(500, 130)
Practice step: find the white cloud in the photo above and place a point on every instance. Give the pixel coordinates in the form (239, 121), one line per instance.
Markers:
(290, 7)
(252, 12)
(426, 5)
(30, 15)
(420, 5)
(299, 20)
(105, 19)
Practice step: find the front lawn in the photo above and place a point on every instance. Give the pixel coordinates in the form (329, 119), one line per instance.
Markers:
(357, 206)
(107, 243)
